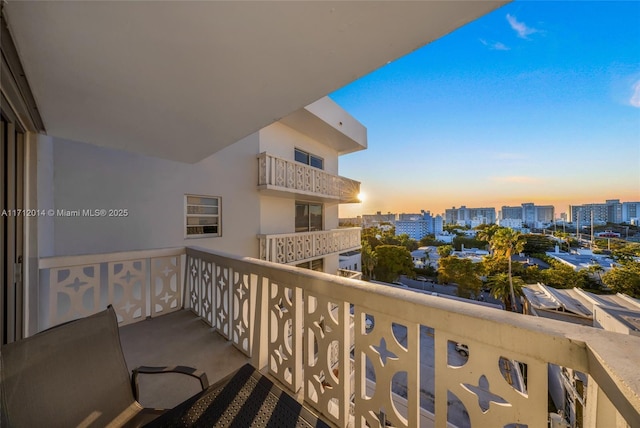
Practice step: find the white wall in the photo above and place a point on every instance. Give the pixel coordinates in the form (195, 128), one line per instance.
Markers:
(45, 196)
(280, 140)
(152, 190)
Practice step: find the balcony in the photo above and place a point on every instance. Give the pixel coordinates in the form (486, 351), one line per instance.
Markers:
(290, 179)
(289, 248)
(356, 352)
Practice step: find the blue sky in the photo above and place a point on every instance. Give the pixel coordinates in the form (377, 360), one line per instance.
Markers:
(536, 102)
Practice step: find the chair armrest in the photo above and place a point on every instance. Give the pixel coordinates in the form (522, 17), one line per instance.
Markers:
(189, 371)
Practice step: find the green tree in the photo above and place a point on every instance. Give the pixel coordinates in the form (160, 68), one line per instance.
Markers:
(560, 275)
(537, 244)
(393, 260)
(462, 272)
(596, 270)
(429, 240)
(624, 278)
(503, 288)
(407, 242)
(496, 264)
(627, 252)
(459, 241)
(445, 250)
(485, 232)
(508, 242)
(369, 259)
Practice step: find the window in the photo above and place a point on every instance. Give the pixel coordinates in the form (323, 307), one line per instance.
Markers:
(317, 265)
(309, 159)
(202, 216)
(308, 217)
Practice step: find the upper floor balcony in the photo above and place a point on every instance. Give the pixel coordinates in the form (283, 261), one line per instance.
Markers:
(296, 247)
(359, 353)
(287, 178)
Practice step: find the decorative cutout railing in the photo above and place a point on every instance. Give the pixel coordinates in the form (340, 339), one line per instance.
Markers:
(291, 176)
(138, 284)
(365, 354)
(362, 353)
(295, 247)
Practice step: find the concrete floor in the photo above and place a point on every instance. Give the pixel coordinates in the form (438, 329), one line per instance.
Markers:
(179, 338)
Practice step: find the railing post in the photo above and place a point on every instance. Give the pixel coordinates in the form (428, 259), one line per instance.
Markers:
(599, 411)
(260, 325)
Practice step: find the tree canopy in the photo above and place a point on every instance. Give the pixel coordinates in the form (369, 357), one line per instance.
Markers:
(624, 278)
(393, 261)
(462, 272)
(507, 242)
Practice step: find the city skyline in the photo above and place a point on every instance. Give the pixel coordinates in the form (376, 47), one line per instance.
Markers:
(497, 208)
(536, 102)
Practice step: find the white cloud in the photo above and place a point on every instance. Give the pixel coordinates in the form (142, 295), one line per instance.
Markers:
(520, 27)
(635, 98)
(496, 46)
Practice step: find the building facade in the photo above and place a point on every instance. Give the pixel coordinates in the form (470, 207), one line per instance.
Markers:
(464, 216)
(630, 212)
(530, 215)
(417, 226)
(612, 211)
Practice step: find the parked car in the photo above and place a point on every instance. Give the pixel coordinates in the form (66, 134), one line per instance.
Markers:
(421, 278)
(462, 349)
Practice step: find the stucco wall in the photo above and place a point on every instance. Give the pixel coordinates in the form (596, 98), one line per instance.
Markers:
(280, 140)
(152, 190)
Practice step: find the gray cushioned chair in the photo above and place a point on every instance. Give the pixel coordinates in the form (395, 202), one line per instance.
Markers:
(74, 375)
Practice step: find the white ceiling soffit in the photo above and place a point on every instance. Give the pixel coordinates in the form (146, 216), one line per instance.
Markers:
(181, 79)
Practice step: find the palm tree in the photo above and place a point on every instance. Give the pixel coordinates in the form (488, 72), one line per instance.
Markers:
(507, 242)
(501, 288)
(487, 232)
(445, 250)
(369, 259)
(596, 269)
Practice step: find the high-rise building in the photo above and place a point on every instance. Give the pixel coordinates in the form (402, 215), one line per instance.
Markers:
(529, 214)
(630, 211)
(417, 226)
(464, 216)
(369, 220)
(612, 211)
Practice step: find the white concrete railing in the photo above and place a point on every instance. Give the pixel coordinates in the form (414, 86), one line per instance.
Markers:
(295, 247)
(138, 284)
(315, 332)
(356, 350)
(346, 273)
(292, 176)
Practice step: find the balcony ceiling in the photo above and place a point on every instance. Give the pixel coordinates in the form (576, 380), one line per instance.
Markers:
(181, 80)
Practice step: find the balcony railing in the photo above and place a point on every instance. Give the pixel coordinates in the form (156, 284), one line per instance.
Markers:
(299, 180)
(360, 352)
(296, 247)
(346, 273)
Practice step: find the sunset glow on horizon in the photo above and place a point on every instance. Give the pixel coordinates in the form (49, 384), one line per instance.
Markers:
(535, 102)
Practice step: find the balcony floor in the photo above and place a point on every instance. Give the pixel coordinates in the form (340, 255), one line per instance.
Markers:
(179, 338)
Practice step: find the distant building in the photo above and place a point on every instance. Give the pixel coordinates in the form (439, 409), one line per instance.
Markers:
(630, 212)
(417, 226)
(609, 212)
(350, 221)
(464, 216)
(370, 220)
(531, 215)
(350, 264)
(512, 223)
(445, 237)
